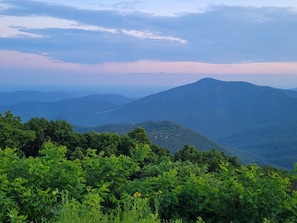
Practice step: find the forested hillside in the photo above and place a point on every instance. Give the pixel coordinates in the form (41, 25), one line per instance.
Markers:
(173, 137)
(51, 174)
(163, 133)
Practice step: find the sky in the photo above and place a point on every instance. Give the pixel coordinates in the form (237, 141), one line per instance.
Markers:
(147, 43)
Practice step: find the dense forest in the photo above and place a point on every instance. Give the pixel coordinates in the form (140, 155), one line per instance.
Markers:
(49, 173)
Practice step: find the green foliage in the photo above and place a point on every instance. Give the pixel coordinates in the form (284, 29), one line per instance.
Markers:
(39, 126)
(213, 159)
(106, 142)
(139, 135)
(127, 179)
(33, 186)
(113, 171)
(13, 134)
(58, 131)
(74, 211)
(133, 209)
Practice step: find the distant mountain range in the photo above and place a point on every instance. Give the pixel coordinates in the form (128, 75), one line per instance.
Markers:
(259, 120)
(74, 109)
(10, 98)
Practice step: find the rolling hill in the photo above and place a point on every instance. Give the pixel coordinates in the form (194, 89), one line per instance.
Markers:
(163, 133)
(173, 137)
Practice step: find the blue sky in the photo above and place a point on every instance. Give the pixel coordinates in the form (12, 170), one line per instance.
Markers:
(158, 43)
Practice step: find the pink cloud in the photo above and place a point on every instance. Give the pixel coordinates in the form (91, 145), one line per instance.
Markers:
(15, 59)
(32, 68)
(184, 67)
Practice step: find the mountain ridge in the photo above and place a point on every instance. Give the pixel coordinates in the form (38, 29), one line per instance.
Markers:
(236, 114)
(205, 98)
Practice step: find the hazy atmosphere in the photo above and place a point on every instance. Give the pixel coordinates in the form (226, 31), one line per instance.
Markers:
(120, 111)
(147, 43)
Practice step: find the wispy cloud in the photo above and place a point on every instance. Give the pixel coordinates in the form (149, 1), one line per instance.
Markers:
(4, 6)
(126, 5)
(151, 35)
(15, 26)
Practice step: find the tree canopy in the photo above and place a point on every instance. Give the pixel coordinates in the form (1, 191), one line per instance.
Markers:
(48, 173)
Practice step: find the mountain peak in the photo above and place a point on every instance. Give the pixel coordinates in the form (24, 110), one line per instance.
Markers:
(208, 80)
(211, 81)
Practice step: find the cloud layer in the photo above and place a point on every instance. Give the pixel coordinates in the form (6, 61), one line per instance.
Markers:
(219, 35)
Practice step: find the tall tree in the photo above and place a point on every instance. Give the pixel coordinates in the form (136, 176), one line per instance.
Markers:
(139, 135)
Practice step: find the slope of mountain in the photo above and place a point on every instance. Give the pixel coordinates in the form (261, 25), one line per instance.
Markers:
(173, 137)
(292, 92)
(210, 106)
